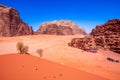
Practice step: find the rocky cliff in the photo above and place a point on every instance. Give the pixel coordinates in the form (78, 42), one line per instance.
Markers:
(112, 27)
(62, 27)
(106, 36)
(11, 24)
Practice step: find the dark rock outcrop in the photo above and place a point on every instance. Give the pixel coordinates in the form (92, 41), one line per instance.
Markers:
(112, 27)
(62, 27)
(11, 24)
(82, 43)
(106, 36)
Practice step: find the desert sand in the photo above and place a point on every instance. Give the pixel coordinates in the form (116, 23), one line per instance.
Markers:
(27, 67)
(55, 49)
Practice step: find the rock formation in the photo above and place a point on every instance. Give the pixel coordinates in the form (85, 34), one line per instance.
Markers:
(62, 27)
(112, 27)
(11, 24)
(106, 36)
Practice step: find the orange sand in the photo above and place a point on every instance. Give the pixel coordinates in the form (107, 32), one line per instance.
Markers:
(55, 49)
(27, 67)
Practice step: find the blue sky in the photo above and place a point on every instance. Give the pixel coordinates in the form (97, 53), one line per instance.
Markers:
(86, 13)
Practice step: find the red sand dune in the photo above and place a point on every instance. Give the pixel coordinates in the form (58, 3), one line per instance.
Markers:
(27, 67)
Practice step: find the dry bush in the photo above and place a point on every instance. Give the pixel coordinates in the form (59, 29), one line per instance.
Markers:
(39, 51)
(25, 49)
(21, 48)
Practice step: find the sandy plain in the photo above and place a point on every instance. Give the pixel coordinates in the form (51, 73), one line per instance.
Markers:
(55, 49)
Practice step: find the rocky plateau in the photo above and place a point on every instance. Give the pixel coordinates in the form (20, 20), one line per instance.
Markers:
(106, 36)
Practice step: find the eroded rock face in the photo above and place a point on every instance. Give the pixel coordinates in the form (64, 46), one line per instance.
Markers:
(81, 43)
(106, 36)
(112, 27)
(11, 24)
(62, 27)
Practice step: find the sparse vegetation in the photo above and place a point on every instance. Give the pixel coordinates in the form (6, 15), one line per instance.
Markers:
(25, 49)
(39, 51)
(21, 48)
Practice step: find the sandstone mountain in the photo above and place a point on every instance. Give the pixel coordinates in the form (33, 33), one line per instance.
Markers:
(11, 24)
(106, 36)
(112, 27)
(62, 27)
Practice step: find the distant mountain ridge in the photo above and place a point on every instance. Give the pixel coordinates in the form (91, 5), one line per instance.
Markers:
(61, 27)
(12, 25)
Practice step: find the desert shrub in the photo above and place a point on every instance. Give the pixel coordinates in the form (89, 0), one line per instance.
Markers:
(39, 51)
(21, 48)
(25, 49)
